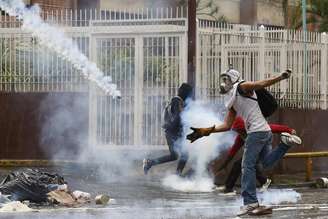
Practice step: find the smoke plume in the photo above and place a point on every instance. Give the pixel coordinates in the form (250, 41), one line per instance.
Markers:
(55, 39)
(202, 151)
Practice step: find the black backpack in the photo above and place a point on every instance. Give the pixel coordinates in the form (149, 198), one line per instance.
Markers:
(268, 104)
(168, 118)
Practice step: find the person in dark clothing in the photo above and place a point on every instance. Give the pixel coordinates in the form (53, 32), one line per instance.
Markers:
(173, 131)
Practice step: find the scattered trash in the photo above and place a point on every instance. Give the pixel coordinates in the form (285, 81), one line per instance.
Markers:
(322, 182)
(53, 187)
(102, 199)
(4, 199)
(81, 196)
(15, 206)
(26, 202)
(34, 186)
(30, 184)
(62, 198)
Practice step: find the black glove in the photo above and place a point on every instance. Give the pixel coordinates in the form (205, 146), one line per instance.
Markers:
(199, 132)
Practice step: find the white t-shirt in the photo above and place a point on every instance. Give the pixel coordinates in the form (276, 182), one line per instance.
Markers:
(248, 109)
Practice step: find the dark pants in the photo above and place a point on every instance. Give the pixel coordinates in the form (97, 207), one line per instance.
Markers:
(175, 153)
(236, 172)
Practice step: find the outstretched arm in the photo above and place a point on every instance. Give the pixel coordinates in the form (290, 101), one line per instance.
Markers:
(256, 85)
(200, 132)
(228, 120)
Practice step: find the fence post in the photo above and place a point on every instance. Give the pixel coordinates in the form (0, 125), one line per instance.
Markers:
(92, 96)
(224, 56)
(262, 53)
(283, 62)
(324, 72)
(138, 94)
(199, 82)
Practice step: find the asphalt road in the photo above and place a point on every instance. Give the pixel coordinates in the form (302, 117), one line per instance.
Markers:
(137, 196)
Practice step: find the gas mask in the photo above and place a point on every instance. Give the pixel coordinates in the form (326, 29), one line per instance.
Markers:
(225, 84)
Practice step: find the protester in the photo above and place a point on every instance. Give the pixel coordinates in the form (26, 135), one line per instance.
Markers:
(241, 98)
(239, 127)
(173, 131)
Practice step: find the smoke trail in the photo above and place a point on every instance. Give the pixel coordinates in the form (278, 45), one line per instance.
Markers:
(275, 197)
(55, 39)
(202, 151)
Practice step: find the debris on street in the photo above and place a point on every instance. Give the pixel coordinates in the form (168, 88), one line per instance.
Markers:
(30, 184)
(15, 206)
(102, 199)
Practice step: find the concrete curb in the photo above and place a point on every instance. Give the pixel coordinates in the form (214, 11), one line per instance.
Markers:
(35, 163)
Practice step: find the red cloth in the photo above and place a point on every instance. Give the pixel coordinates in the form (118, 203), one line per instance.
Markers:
(238, 125)
(239, 141)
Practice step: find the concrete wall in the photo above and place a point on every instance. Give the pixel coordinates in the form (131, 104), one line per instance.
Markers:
(55, 4)
(133, 4)
(227, 8)
(250, 12)
(311, 126)
(24, 118)
(270, 12)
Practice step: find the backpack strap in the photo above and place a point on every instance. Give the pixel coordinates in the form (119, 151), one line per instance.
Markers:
(242, 93)
(181, 101)
(178, 98)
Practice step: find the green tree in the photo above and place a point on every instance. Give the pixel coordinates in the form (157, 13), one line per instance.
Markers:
(318, 14)
(207, 8)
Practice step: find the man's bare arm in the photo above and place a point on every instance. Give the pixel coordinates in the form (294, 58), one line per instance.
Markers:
(201, 132)
(228, 121)
(256, 85)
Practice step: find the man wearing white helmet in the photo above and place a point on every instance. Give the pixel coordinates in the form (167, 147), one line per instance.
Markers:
(240, 98)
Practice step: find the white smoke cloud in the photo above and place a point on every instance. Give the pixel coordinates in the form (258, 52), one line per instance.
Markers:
(278, 196)
(199, 184)
(202, 151)
(55, 39)
(275, 197)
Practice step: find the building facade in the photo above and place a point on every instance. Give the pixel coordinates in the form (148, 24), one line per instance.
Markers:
(49, 5)
(252, 12)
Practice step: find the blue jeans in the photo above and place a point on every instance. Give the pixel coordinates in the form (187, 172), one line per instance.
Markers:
(176, 153)
(258, 148)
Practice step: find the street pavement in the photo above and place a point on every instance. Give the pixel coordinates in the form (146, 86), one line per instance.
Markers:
(137, 196)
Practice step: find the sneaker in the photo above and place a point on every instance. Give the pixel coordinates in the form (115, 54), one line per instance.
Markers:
(247, 209)
(266, 185)
(226, 191)
(261, 210)
(146, 165)
(229, 192)
(290, 140)
(220, 188)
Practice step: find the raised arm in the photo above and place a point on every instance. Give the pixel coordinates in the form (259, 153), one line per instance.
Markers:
(256, 85)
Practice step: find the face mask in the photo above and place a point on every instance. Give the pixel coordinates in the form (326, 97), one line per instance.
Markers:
(226, 84)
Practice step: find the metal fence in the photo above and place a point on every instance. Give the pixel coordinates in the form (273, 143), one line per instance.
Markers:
(145, 52)
(258, 53)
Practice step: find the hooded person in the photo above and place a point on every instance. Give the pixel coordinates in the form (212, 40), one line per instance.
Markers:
(173, 131)
(241, 99)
